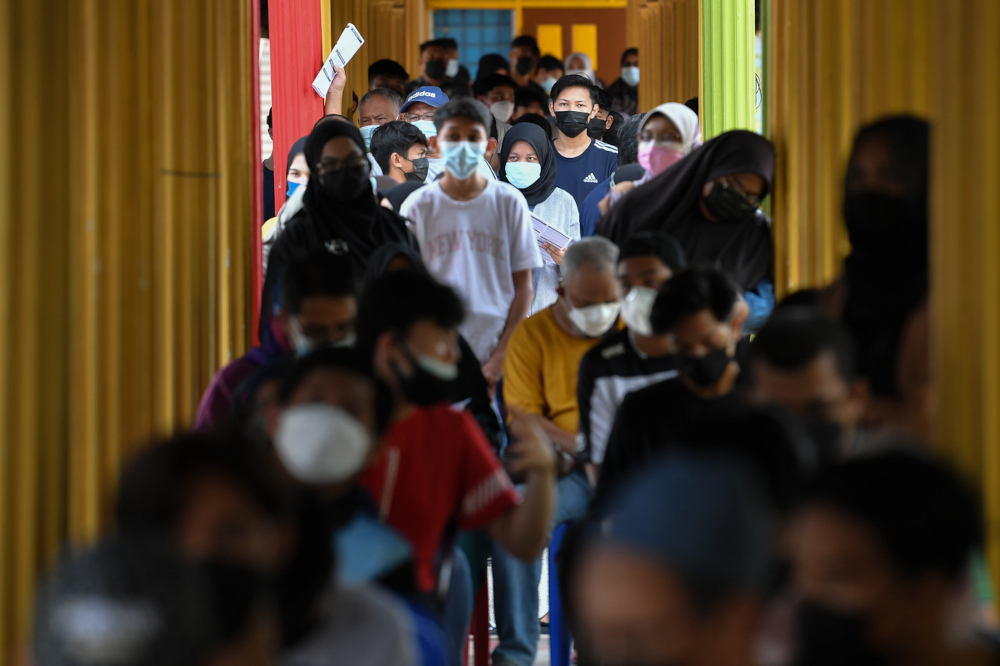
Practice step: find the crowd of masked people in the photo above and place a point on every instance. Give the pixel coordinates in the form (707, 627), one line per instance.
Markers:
(474, 330)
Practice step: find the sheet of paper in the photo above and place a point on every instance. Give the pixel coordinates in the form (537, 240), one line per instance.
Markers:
(345, 48)
(546, 234)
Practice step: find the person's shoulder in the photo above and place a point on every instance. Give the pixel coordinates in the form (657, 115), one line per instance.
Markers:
(612, 347)
(656, 393)
(606, 147)
(560, 197)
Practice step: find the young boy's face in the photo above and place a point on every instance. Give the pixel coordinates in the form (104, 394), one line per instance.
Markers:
(461, 128)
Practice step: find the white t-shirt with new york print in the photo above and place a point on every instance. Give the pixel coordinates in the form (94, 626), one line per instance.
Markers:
(476, 247)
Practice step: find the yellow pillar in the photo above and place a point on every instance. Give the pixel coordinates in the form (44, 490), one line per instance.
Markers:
(125, 251)
(667, 35)
(965, 244)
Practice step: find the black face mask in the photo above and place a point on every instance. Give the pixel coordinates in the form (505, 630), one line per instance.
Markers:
(881, 222)
(436, 68)
(596, 128)
(346, 184)
(421, 387)
(572, 123)
(829, 637)
(726, 204)
(525, 65)
(419, 173)
(708, 369)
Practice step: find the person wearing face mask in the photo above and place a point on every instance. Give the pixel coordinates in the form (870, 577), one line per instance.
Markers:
(678, 574)
(528, 164)
(540, 375)
(579, 64)
(601, 123)
(882, 297)
(401, 151)
(296, 176)
(340, 213)
(524, 56)
(550, 69)
(497, 92)
(630, 359)
(626, 89)
(880, 549)
(388, 74)
(436, 470)
(582, 162)
(433, 66)
(529, 101)
(710, 202)
(317, 307)
(455, 70)
(377, 108)
(666, 135)
(702, 312)
(806, 363)
(628, 169)
(476, 234)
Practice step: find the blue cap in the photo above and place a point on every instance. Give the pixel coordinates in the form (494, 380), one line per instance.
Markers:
(703, 517)
(430, 95)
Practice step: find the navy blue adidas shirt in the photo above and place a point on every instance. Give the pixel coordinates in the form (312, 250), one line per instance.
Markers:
(580, 175)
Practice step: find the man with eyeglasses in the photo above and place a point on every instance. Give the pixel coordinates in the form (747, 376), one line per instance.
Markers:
(419, 110)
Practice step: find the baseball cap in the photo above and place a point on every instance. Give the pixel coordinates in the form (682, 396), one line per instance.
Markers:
(429, 95)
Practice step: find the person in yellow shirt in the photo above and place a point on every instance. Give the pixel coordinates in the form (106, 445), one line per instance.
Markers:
(540, 373)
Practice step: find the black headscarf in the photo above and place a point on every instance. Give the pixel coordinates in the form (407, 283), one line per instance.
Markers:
(887, 271)
(356, 227)
(380, 260)
(542, 188)
(298, 148)
(670, 203)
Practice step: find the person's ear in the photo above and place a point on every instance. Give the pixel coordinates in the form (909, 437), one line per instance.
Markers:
(552, 109)
(741, 311)
(610, 122)
(491, 146)
(432, 144)
(483, 100)
(593, 113)
(396, 160)
(387, 356)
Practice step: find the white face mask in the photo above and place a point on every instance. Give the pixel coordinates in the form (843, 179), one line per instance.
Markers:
(594, 320)
(637, 308)
(502, 111)
(630, 75)
(452, 69)
(321, 444)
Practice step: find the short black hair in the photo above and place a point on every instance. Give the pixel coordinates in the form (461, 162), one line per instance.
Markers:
(602, 98)
(655, 244)
(464, 107)
(456, 89)
(536, 119)
(529, 41)
(692, 104)
(394, 97)
(395, 137)
(431, 43)
(550, 63)
(447, 42)
(629, 52)
(487, 83)
(318, 273)
(573, 81)
(396, 301)
(348, 360)
(528, 95)
(628, 140)
(153, 488)
(387, 67)
(689, 292)
(795, 335)
(925, 517)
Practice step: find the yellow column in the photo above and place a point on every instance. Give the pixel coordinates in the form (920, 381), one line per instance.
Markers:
(667, 35)
(125, 251)
(965, 244)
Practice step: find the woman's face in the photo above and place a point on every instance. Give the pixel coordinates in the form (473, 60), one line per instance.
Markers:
(750, 185)
(298, 171)
(577, 63)
(338, 153)
(522, 151)
(660, 129)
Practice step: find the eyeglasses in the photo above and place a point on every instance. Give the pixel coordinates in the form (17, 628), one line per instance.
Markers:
(753, 200)
(331, 165)
(414, 117)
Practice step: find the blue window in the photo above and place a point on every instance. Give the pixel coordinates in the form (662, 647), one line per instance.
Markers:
(477, 31)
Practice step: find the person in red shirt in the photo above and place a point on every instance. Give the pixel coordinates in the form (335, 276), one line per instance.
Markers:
(436, 471)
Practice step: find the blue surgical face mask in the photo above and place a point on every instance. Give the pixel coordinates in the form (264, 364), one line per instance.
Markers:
(523, 174)
(427, 127)
(292, 186)
(366, 134)
(548, 83)
(461, 158)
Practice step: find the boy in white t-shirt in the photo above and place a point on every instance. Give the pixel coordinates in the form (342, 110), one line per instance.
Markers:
(476, 234)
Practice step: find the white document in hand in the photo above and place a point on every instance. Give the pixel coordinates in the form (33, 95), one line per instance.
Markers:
(547, 234)
(345, 48)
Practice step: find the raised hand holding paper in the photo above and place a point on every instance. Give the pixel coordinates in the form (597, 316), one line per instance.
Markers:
(345, 48)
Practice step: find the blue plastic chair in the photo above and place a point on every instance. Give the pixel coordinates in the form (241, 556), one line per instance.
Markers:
(559, 636)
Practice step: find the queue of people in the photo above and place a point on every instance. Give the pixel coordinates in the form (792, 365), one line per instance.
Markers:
(498, 304)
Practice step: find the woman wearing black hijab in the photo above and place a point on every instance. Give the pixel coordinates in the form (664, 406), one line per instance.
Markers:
(527, 163)
(709, 202)
(339, 211)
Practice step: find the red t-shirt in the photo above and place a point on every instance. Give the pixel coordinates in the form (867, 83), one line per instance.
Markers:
(437, 467)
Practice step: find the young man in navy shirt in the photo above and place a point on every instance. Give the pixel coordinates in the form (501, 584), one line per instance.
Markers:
(583, 162)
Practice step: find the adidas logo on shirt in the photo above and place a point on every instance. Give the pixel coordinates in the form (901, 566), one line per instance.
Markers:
(590, 179)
